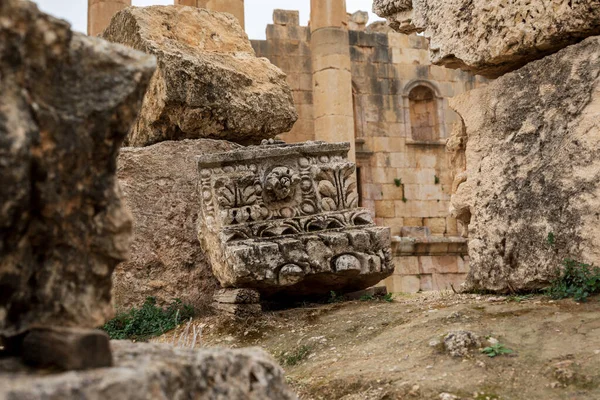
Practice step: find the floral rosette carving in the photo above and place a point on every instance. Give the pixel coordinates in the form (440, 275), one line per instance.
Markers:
(280, 184)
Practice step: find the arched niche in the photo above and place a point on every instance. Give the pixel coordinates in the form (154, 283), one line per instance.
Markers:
(423, 113)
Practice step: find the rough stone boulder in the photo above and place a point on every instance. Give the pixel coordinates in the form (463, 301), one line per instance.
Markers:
(531, 189)
(159, 186)
(209, 82)
(148, 371)
(492, 37)
(67, 102)
(284, 220)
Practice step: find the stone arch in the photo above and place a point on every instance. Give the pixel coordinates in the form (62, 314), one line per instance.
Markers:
(423, 112)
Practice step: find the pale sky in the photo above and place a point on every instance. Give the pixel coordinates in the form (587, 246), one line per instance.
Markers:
(259, 13)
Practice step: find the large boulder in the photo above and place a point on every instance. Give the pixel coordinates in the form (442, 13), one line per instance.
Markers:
(159, 185)
(492, 37)
(145, 371)
(209, 82)
(531, 189)
(67, 102)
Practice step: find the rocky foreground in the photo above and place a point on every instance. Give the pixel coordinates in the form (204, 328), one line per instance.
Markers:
(375, 350)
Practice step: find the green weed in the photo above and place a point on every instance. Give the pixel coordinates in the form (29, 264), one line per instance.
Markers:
(147, 321)
(576, 280)
(398, 182)
(497, 349)
(519, 298)
(295, 356)
(335, 298)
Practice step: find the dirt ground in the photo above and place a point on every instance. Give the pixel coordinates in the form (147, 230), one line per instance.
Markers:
(391, 350)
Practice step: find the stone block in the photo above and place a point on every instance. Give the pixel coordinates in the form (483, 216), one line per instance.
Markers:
(159, 186)
(67, 103)
(277, 32)
(300, 201)
(437, 226)
(331, 95)
(425, 283)
(155, 371)
(392, 192)
(286, 17)
(407, 265)
(329, 127)
(532, 170)
(518, 32)
(412, 223)
(398, 40)
(385, 209)
(448, 281)
(395, 224)
(384, 175)
(208, 84)
(451, 226)
(403, 284)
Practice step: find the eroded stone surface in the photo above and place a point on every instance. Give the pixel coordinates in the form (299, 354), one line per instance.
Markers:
(285, 218)
(209, 82)
(159, 185)
(460, 343)
(67, 101)
(532, 181)
(492, 37)
(148, 371)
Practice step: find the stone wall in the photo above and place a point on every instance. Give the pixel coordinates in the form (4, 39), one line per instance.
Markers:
(288, 47)
(403, 168)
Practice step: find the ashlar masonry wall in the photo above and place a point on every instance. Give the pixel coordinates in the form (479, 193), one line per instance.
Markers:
(402, 120)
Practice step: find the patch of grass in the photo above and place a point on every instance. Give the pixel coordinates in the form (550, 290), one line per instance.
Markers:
(335, 298)
(398, 182)
(519, 298)
(389, 297)
(147, 321)
(576, 280)
(551, 239)
(436, 179)
(495, 350)
(294, 357)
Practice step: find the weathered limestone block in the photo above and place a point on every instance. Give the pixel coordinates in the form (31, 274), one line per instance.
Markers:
(159, 186)
(492, 37)
(145, 371)
(532, 182)
(284, 218)
(209, 82)
(67, 101)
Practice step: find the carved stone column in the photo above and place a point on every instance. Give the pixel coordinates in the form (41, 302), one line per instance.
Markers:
(332, 77)
(235, 7)
(101, 11)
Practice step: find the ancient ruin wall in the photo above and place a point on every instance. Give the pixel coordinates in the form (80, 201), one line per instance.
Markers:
(404, 180)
